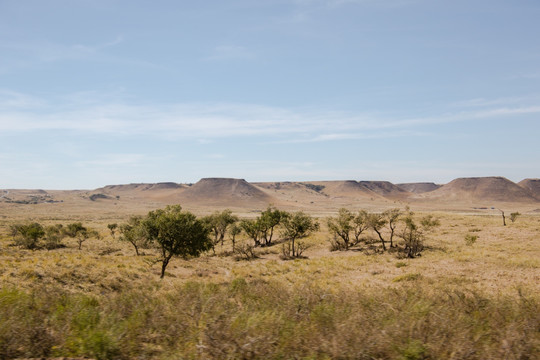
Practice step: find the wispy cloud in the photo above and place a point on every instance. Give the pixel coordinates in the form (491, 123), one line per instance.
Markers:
(207, 121)
(116, 160)
(47, 51)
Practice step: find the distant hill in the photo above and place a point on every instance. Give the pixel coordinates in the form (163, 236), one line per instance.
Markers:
(142, 187)
(486, 189)
(344, 188)
(532, 185)
(384, 188)
(225, 192)
(419, 188)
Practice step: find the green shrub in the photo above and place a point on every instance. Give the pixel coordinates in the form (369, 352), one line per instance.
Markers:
(470, 239)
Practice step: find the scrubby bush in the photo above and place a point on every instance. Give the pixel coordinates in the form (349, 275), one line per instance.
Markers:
(414, 234)
(470, 239)
(245, 251)
(514, 216)
(28, 235)
(80, 233)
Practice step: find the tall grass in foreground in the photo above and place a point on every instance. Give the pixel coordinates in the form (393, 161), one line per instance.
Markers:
(241, 320)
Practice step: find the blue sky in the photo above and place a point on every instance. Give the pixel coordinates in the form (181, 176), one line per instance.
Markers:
(96, 92)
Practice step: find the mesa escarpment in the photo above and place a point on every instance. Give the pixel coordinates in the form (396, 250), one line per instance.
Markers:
(481, 189)
(225, 192)
(419, 188)
(313, 196)
(532, 185)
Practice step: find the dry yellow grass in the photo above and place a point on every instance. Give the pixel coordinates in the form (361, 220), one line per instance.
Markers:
(503, 263)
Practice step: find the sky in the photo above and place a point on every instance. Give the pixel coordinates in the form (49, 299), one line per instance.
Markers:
(98, 92)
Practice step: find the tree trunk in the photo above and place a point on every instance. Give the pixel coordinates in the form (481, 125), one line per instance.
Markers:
(504, 218)
(164, 264)
(381, 238)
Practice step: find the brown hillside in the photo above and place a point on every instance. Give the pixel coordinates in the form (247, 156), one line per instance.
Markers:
(141, 187)
(225, 192)
(532, 185)
(486, 189)
(384, 188)
(344, 188)
(419, 188)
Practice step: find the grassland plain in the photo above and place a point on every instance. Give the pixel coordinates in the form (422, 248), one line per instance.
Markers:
(456, 301)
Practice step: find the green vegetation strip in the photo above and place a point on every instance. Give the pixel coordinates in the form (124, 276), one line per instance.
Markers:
(271, 320)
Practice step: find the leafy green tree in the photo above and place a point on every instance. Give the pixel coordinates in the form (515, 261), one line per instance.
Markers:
(341, 227)
(218, 223)
(134, 232)
(253, 229)
(297, 226)
(269, 220)
(176, 233)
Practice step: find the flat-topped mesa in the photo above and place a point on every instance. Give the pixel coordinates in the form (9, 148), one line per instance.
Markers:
(419, 187)
(496, 189)
(343, 188)
(225, 191)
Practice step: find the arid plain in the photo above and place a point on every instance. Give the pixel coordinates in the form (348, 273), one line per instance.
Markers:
(459, 300)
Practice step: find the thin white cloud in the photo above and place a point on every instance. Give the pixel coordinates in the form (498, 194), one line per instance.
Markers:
(116, 160)
(48, 51)
(207, 121)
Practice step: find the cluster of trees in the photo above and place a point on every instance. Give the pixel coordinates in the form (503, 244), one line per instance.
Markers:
(347, 229)
(175, 232)
(36, 236)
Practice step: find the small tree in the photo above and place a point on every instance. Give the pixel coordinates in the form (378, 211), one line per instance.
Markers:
(112, 228)
(341, 227)
(234, 231)
(269, 220)
(514, 216)
(414, 235)
(392, 218)
(134, 233)
(79, 232)
(176, 233)
(297, 226)
(252, 227)
(218, 223)
(359, 224)
(376, 222)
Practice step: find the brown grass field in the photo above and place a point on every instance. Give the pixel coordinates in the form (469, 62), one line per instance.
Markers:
(456, 301)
